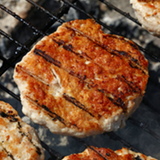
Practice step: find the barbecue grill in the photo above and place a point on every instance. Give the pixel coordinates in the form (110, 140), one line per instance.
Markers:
(142, 131)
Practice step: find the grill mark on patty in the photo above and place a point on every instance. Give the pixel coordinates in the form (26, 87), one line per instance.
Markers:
(66, 47)
(123, 39)
(26, 135)
(135, 88)
(77, 103)
(118, 101)
(7, 152)
(53, 115)
(69, 47)
(12, 118)
(114, 52)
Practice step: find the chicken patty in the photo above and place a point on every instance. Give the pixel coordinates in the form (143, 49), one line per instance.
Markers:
(80, 81)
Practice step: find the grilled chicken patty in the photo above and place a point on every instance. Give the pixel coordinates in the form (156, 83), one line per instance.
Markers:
(18, 140)
(80, 81)
(148, 14)
(94, 153)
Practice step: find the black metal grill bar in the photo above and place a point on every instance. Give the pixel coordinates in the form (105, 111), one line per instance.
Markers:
(148, 53)
(90, 16)
(6, 61)
(9, 92)
(127, 15)
(21, 20)
(54, 154)
(13, 40)
(114, 136)
(10, 63)
(46, 11)
(144, 127)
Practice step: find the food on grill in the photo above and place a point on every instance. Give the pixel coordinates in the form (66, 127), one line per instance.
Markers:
(93, 153)
(18, 140)
(148, 14)
(80, 81)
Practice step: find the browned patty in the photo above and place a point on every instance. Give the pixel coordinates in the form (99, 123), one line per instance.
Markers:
(80, 81)
(18, 140)
(95, 153)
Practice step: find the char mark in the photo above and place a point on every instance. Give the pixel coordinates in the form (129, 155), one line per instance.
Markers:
(133, 87)
(67, 47)
(57, 117)
(7, 152)
(46, 57)
(10, 117)
(53, 115)
(77, 103)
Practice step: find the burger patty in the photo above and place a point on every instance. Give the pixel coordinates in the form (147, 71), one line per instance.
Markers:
(148, 14)
(94, 153)
(18, 140)
(80, 81)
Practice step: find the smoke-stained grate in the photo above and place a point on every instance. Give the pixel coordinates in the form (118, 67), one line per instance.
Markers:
(142, 130)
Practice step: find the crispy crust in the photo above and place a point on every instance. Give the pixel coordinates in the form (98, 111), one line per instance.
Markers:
(106, 153)
(18, 140)
(80, 82)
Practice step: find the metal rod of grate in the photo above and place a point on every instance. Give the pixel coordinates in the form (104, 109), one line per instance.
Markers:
(120, 11)
(24, 47)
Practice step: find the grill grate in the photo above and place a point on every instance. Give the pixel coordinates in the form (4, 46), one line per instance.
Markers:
(23, 48)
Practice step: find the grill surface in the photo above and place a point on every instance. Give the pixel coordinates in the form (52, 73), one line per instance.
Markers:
(142, 132)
